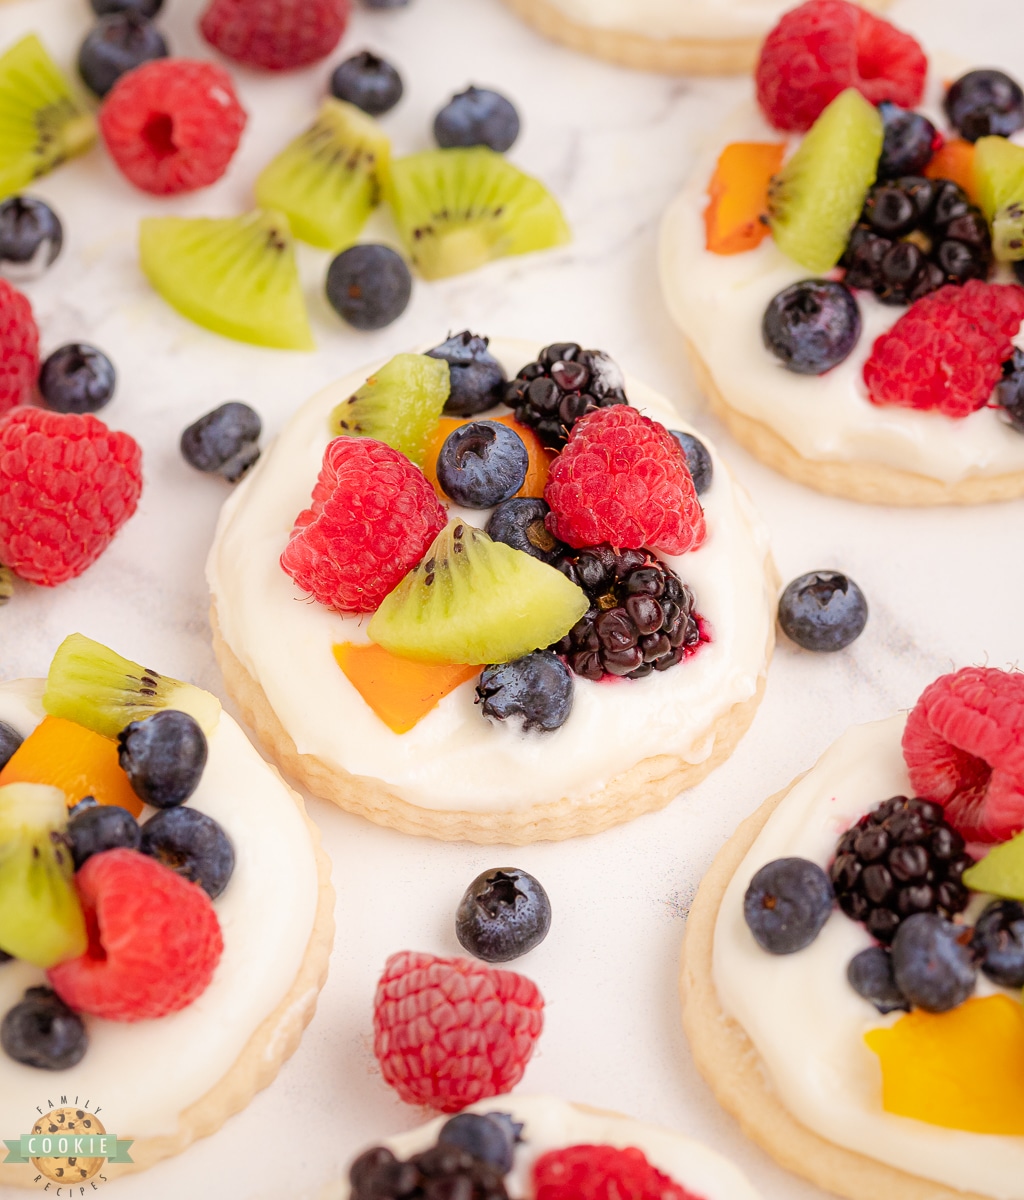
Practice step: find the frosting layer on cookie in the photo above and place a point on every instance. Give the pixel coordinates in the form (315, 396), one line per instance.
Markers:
(663, 19)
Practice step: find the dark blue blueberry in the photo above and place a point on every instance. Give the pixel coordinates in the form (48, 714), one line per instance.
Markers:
(786, 904)
(1018, 270)
(77, 379)
(698, 460)
(477, 117)
(477, 378)
(489, 1137)
(999, 942)
(163, 757)
(812, 326)
(482, 463)
(823, 610)
(908, 143)
(85, 803)
(386, 3)
(148, 8)
(369, 286)
(933, 963)
(503, 914)
(985, 102)
(1009, 392)
(225, 442)
(192, 844)
(871, 976)
(116, 44)
(368, 82)
(101, 827)
(10, 740)
(519, 523)
(31, 237)
(41, 1031)
(537, 688)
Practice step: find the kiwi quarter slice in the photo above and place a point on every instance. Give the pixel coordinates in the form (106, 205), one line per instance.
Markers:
(92, 685)
(234, 275)
(999, 174)
(41, 121)
(458, 209)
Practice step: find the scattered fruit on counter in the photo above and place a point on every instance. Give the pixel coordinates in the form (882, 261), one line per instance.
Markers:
(224, 442)
(369, 286)
(823, 611)
(367, 81)
(477, 117)
(502, 915)
(276, 35)
(77, 379)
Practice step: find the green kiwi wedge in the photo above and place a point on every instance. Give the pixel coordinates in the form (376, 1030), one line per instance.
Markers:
(330, 178)
(472, 600)
(400, 405)
(41, 121)
(89, 684)
(458, 209)
(816, 198)
(234, 275)
(999, 174)
(41, 919)
(1001, 871)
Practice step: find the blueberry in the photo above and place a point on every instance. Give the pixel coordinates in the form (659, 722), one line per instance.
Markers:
(163, 757)
(1018, 270)
(999, 942)
(477, 117)
(386, 3)
(77, 379)
(10, 740)
(100, 827)
(116, 44)
(368, 82)
(477, 378)
(519, 523)
(871, 976)
(148, 8)
(985, 102)
(812, 326)
(482, 463)
(41, 1031)
(933, 963)
(698, 460)
(537, 687)
(823, 610)
(85, 803)
(225, 442)
(31, 237)
(504, 913)
(489, 1137)
(908, 143)
(787, 903)
(369, 286)
(193, 845)
(1009, 392)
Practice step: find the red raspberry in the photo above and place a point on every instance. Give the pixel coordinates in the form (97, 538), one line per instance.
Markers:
(448, 1032)
(172, 125)
(372, 518)
(602, 1173)
(622, 478)
(825, 46)
(947, 350)
(67, 485)
(19, 347)
(964, 747)
(154, 940)
(277, 35)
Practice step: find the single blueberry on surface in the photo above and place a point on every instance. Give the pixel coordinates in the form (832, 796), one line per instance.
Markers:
(812, 326)
(999, 942)
(482, 463)
(163, 757)
(537, 688)
(77, 379)
(907, 144)
(933, 963)
(519, 523)
(477, 378)
(786, 905)
(823, 611)
(41, 1031)
(985, 102)
(31, 237)
(101, 827)
(367, 81)
(10, 740)
(1009, 391)
(489, 1137)
(870, 975)
(369, 286)
(477, 117)
(698, 460)
(116, 44)
(224, 442)
(503, 914)
(193, 845)
(148, 8)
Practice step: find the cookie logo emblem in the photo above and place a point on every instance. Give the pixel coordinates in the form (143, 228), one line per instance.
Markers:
(68, 1146)
(62, 1125)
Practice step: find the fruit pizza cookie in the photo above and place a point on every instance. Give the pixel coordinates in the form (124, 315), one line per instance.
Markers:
(166, 913)
(486, 594)
(845, 265)
(853, 961)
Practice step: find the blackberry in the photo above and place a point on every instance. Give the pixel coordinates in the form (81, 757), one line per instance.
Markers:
(914, 235)
(900, 859)
(551, 394)
(641, 616)
(445, 1170)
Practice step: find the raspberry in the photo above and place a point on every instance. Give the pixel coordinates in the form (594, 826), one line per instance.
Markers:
(825, 46)
(277, 35)
(602, 1173)
(67, 485)
(964, 747)
(154, 940)
(19, 347)
(172, 125)
(449, 1032)
(372, 518)
(947, 350)
(622, 479)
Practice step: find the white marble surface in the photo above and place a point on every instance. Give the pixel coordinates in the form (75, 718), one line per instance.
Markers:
(944, 586)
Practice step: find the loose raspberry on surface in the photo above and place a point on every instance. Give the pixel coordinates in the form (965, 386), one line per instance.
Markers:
(947, 351)
(67, 485)
(602, 1173)
(277, 35)
(623, 479)
(19, 347)
(825, 46)
(449, 1032)
(172, 125)
(964, 747)
(154, 940)
(372, 517)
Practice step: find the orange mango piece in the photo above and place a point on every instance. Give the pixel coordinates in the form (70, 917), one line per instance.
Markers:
(401, 691)
(962, 1069)
(540, 459)
(955, 160)
(76, 760)
(734, 219)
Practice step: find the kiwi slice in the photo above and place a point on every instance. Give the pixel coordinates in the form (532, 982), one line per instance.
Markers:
(329, 179)
(458, 209)
(401, 405)
(472, 600)
(816, 198)
(1001, 871)
(89, 684)
(40, 918)
(999, 174)
(41, 122)
(234, 275)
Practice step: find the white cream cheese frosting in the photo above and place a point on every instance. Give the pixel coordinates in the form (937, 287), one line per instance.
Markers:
(661, 20)
(138, 1077)
(805, 1020)
(455, 758)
